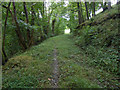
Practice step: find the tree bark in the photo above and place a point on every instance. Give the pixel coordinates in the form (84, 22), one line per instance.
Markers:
(18, 32)
(109, 5)
(3, 43)
(53, 26)
(10, 12)
(32, 23)
(93, 13)
(104, 7)
(43, 10)
(49, 21)
(79, 14)
(118, 2)
(86, 10)
(27, 21)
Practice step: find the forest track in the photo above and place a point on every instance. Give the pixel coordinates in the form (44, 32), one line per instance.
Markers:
(55, 73)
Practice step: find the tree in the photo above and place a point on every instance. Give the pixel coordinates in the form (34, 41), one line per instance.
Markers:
(109, 5)
(87, 10)
(53, 25)
(29, 26)
(27, 21)
(32, 23)
(79, 14)
(18, 32)
(118, 1)
(9, 11)
(104, 7)
(93, 11)
(4, 32)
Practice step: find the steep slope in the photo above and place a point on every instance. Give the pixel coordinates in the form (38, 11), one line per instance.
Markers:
(99, 40)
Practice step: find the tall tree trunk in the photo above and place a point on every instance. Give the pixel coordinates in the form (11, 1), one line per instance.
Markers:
(49, 22)
(118, 2)
(3, 43)
(81, 11)
(53, 26)
(18, 32)
(32, 23)
(86, 10)
(93, 13)
(43, 9)
(104, 7)
(43, 17)
(79, 14)
(109, 5)
(71, 20)
(27, 21)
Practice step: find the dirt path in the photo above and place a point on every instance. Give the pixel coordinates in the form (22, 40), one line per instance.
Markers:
(55, 75)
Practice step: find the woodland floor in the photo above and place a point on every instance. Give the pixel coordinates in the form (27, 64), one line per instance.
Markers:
(55, 63)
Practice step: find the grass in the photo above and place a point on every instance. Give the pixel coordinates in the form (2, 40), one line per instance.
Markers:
(33, 68)
(100, 42)
(0, 54)
(71, 74)
(30, 69)
(0, 77)
(99, 48)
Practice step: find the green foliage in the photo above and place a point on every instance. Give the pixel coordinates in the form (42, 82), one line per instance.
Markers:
(84, 37)
(100, 42)
(42, 28)
(104, 59)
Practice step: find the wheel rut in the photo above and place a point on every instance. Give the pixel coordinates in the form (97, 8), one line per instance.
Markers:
(55, 72)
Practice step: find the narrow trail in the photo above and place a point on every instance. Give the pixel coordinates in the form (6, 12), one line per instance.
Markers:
(55, 72)
(55, 63)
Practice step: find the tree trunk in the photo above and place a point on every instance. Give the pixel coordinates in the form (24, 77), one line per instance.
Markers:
(93, 13)
(27, 21)
(79, 14)
(86, 10)
(47, 31)
(10, 12)
(3, 43)
(32, 23)
(118, 2)
(43, 9)
(53, 26)
(104, 7)
(18, 32)
(81, 11)
(109, 5)
(43, 18)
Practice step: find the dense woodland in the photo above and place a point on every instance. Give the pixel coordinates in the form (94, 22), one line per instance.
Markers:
(26, 25)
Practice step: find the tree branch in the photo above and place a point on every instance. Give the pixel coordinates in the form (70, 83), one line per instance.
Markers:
(9, 11)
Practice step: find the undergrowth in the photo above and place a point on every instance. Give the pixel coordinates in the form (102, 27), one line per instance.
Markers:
(100, 42)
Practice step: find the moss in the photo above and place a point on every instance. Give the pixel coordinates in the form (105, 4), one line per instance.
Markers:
(18, 62)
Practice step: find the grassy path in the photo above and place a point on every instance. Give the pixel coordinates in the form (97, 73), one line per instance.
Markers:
(54, 63)
(71, 75)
